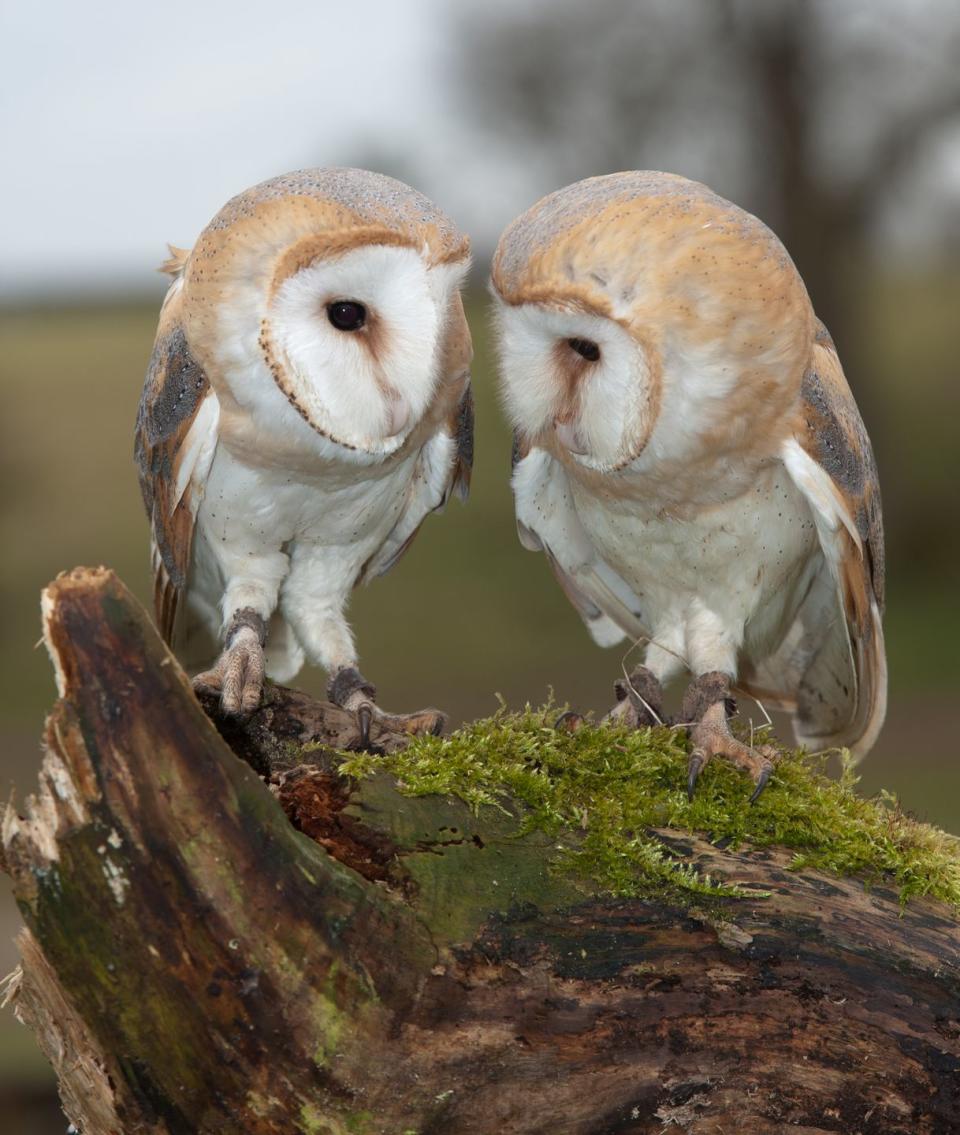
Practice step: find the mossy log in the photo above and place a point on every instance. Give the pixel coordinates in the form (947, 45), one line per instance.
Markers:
(194, 963)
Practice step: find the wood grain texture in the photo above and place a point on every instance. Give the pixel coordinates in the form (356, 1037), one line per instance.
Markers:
(414, 967)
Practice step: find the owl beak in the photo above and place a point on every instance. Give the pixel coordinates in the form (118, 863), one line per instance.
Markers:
(398, 414)
(569, 436)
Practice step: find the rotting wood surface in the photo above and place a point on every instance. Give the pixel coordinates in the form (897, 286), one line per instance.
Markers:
(192, 963)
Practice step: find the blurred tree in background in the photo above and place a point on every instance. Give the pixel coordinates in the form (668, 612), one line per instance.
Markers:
(815, 116)
(808, 114)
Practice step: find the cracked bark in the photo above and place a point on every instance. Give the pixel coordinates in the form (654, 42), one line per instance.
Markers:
(193, 963)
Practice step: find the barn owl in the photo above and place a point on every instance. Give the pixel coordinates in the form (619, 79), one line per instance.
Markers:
(307, 404)
(691, 461)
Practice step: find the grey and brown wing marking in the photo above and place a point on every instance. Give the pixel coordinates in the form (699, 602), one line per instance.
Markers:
(174, 442)
(461, 427)
(830, 669)
(835, 437)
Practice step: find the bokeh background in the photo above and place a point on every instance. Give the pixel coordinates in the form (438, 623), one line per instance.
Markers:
(127, 125)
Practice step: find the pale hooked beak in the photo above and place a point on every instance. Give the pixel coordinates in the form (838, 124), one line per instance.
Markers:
(569, 436)
(398, 414)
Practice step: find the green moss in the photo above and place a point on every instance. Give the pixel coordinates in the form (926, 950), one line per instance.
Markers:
(359, 1122)
(598, 792)
(329, 1023)
(314, 1122)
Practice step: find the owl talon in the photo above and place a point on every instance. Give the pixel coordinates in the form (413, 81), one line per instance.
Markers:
(569, 722)
(372, 722)
(237, 675)
(694, 767)
(424, 721)
(761, 782)
(364, 721)
(711, 737)
(348, 688)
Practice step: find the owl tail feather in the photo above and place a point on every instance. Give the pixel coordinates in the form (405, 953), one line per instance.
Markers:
(175, 262)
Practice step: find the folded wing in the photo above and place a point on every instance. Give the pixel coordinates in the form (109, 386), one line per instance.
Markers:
(442, 468)
(830, 669)
(547, 521)
(176, 437)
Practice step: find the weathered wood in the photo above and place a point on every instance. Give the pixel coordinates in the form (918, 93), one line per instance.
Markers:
(193, 963)
(272, 740)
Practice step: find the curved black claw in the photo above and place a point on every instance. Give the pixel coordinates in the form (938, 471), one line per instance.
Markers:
(364, 721)
(761, 782)
(694, 768)
(570, 721)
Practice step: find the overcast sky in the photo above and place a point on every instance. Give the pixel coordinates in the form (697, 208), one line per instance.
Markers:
(127, 124)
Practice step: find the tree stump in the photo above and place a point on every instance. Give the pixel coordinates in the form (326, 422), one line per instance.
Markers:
(194, 963)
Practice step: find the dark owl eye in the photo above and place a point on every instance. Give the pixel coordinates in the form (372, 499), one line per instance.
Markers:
(585, 348)
(347, 315)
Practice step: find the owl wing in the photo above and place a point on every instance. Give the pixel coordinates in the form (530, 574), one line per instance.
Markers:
(547, 521)
(443, 468)
(460, 426)
(174, 444)
(830, 669)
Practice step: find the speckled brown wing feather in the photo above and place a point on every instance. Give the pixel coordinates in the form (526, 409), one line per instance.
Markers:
(174, 391)
(835, 437)
(830, 669)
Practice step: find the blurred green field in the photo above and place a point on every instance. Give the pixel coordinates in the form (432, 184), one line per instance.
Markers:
(467, 614)
(464, 615)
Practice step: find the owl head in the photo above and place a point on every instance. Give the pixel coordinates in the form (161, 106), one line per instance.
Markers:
(642, 318)
(325, 304)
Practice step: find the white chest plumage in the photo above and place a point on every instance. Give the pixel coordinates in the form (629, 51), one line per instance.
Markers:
(732, 573)
(263, 531)
(251, 506)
